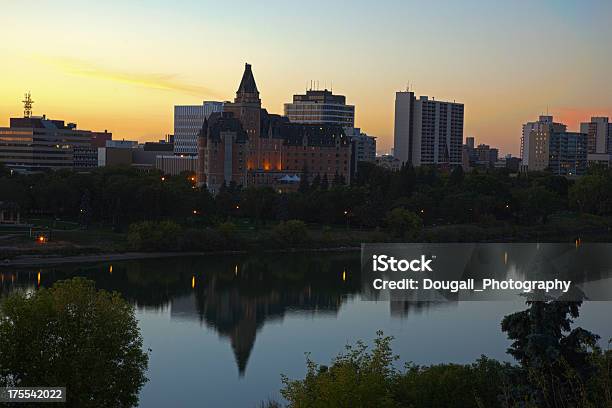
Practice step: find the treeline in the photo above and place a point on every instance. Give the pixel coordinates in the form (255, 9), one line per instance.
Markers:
(120, 196)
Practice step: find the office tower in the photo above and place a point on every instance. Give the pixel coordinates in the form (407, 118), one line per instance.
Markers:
(320, 107)
(364, 146)
(470, 142)
(535, 142)
(36, 143)
(188, 120)
(486, 155)
(568, 153)
(427, 132)
(599, 134)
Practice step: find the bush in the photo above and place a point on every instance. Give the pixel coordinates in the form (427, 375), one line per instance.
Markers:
(154, 236)
(452, 385)
(555, 370)
(76, 337)
(356, 378)
(402, 223)
(227, 230)
(291, 232)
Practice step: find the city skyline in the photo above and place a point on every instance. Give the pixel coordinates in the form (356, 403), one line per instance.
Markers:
(123, 67)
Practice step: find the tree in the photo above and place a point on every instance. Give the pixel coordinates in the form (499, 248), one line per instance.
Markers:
(304, 183)
(73, 336)
(592, 194)
(537, 203)
(316, 182)
(291, 232)
(400, 222)
(258, 203)
(154, 236)
(456, 176)
(324, 182)
(555, 357)
(356, 378)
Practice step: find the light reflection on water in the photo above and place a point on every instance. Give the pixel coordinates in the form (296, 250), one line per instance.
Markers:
(223, 329)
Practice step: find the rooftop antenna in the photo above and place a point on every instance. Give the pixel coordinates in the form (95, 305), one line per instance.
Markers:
(27, 105)
(331, 86)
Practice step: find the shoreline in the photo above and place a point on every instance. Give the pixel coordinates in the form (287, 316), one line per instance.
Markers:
(35, 261)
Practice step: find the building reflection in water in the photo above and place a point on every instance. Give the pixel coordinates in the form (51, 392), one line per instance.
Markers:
(233, 296)
(236, 295)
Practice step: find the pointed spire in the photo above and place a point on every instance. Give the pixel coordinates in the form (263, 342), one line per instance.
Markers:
(247, 84)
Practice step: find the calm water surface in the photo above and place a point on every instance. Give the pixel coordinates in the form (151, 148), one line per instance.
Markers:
(222, 329)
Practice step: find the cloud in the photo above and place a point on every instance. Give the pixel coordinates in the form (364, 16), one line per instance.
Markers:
(164, 82)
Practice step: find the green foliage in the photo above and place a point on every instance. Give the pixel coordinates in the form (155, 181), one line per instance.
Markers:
(154, 236)
(227, 229)
(356, 378)
(291, 232)
(556, 357)
(558, 368)
(592, 194)
(451, 385)
(359, 377)
(403, 223)
(74, 336)
(120, 196)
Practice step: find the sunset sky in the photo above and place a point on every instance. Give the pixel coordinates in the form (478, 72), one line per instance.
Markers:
(123, 65)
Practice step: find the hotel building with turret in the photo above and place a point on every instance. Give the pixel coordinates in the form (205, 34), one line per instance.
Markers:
(247, 146)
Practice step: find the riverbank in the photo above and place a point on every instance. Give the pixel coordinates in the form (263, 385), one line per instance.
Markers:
(36, 261)
(157, 240)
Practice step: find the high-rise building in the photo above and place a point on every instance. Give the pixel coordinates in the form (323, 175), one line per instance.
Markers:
(427, 132)
(599, 134)
(470, 142)
(486, 155)
(320, 106)
(535, 142)
(568, 153)
(364, 146)
(246, 145)
(37, 143)
(188, 120)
